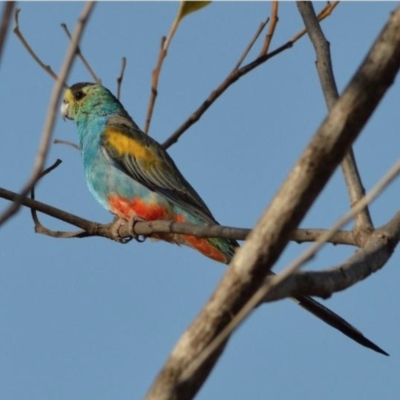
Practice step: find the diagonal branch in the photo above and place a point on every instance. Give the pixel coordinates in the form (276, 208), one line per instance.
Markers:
(271, 30)
(5, 21)
(52, 110)
(363, 222)
(81, 56)
(251, 44)
(235, 75)
(253, 261)
(377, 250)
(155, 75)
(274, 283)
(28, 48)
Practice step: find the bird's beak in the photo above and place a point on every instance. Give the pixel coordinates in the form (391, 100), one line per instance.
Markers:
(64, 109)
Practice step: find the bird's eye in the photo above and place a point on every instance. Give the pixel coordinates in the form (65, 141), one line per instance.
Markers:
(79, 95)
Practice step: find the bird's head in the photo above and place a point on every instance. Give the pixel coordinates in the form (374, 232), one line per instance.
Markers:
(82, 100)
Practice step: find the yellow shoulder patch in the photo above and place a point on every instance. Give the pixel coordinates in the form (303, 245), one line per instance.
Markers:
(127, 145)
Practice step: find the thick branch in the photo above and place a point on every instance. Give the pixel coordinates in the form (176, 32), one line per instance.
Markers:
(266, 242)
(375, 254)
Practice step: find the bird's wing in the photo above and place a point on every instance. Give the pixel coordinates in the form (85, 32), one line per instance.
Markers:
(143, 159)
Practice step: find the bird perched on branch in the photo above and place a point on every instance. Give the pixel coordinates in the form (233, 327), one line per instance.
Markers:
(131, 175)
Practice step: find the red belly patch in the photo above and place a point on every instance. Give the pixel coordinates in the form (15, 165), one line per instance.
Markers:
(127, 209)
(151, 211)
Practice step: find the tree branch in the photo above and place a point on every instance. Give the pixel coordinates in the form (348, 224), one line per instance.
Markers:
(120, 77)
(251, 44)
(28, 48)
(5, 21)
(235, 75)
(92, 228)
(271, 30)
(81, 56)
(363, 222)
(252, 262)
(376, 252)
(52, 110)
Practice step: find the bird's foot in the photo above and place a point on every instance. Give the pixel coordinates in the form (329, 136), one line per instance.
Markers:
(119, 222)
(116, 225)
(132, 222)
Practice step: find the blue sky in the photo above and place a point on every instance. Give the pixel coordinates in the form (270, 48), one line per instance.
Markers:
(90, 318)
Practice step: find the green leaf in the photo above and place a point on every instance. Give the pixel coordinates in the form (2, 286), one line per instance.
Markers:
(187, 7)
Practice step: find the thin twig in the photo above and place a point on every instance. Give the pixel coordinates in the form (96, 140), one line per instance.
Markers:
(154, 83)
(185, 8)
(232, 78)
(277, 280)
(81, 56)
(5, 21)
(363, 222)
(120, 77)
(28, 48)
(39, 228)
(68, 143)
(251, 44)
(52, 110)
(271, 29)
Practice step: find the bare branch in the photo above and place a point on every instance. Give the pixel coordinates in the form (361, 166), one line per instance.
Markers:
(52, 110)
(272, 284)
(325, 72)
(311, 235)
(81, 56)
(378, 249)
(66, 142)
(271, 30)
(253, 261)
(120, 77)
(5, 21)
(235, 75)
(152, 227)
(324, 13)
(251, 44)
(39, 228)
(28, 48)
(154, 83)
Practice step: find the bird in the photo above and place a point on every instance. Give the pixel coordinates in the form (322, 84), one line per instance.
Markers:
(131, 175)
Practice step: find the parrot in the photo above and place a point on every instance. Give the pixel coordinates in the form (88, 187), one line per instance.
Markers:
(131, 175)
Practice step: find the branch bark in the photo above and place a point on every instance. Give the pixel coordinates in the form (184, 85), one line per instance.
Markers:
(91, 228)
(253, 261)
(5, 21)
(355, 188)
(52, 110)
(236, 74)
(376, 252)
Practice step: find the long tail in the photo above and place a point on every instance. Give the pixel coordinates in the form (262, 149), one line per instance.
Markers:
(223, 249)
(337, 322)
